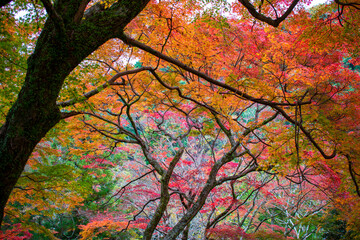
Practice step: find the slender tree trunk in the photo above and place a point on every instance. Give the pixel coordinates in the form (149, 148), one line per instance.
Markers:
(59, 49)
(185, 233)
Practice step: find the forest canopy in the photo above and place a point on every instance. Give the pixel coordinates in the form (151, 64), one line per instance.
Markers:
(179, 119)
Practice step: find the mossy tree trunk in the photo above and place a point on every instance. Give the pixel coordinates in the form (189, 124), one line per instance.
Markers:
(68, 37)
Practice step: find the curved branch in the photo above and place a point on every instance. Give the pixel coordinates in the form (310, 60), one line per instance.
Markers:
(353, 177)
(122, 189)
(350, 4)
(165, 196)
(275, 105)
(307, 134)
(132, 42)
(97, 90)
(273, 22)
(65, 115)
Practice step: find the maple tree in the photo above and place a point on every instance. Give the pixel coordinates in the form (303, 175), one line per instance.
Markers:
(264, 100)
(69, 35)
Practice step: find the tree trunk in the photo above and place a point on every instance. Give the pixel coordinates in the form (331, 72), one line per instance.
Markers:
(185, 233)
(59, 49)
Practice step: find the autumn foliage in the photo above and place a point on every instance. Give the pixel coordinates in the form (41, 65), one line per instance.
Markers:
(200, 121)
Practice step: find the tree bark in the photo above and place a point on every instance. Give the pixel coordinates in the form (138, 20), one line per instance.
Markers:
(68, 37)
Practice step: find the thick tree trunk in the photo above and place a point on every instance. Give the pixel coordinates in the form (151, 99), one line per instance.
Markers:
(59, 49)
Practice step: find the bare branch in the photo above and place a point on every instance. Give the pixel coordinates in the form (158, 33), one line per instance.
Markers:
(135, 43)
(307, 134)
(353, 177)
(122, 189)
(65, 115)
(110, 82)
(350, 4)
(273, 22)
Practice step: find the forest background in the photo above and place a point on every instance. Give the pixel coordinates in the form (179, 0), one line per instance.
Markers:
(179, 119)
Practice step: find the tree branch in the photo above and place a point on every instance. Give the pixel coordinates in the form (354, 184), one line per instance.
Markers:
(54, 16)
(97, 90)
(268, 20)
(132, 42)
(65, 115)
(353, 177)
(350, 4)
